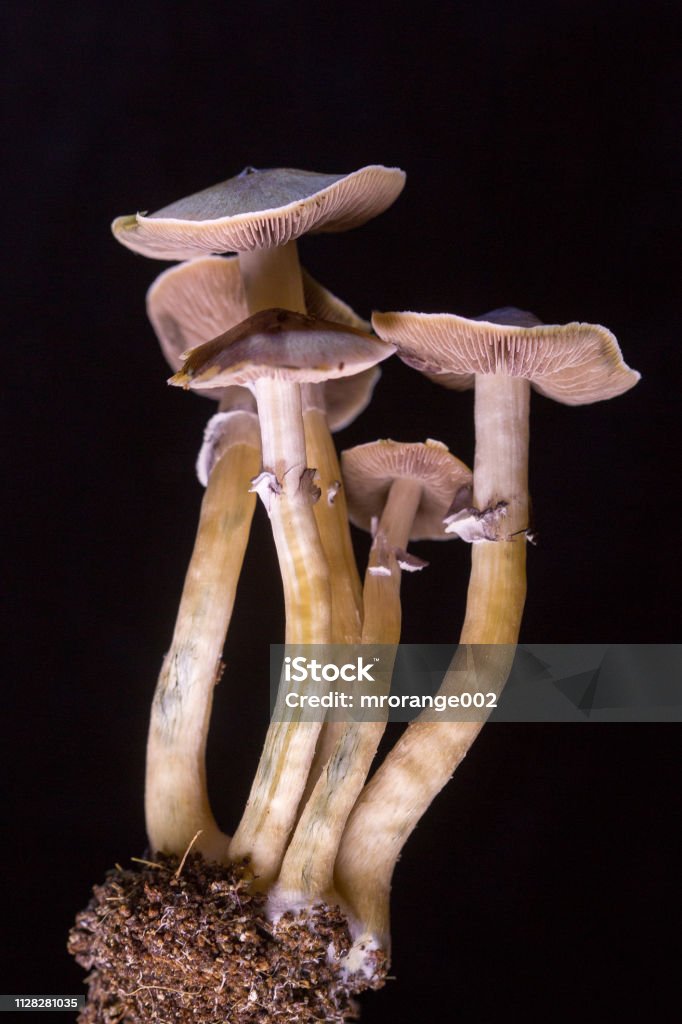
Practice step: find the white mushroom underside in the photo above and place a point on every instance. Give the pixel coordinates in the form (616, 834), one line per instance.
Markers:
(573, 363)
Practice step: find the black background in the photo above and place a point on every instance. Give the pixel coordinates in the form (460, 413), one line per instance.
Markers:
(540, 146)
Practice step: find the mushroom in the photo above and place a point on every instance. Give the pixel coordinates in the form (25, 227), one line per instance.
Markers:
(403, 491)
(398, 492)
(272, 352)
(506, 351)
(502, 354)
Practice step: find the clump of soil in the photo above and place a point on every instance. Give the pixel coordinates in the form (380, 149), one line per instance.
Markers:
(190, 944)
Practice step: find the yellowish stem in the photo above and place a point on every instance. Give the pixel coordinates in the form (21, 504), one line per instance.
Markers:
(331, 514)
(272, 278)
(428, 753)
(176, 797)
(308, 867)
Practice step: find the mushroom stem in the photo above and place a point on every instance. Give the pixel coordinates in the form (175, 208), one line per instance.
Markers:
(290, 498)
(501, 415)
(497, 585)
(381, 594)
(308, 867)
(176, 798)
(331, 514)
(428, 752)
(272, 277)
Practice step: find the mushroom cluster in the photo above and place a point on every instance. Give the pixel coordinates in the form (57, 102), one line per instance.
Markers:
(287, 918)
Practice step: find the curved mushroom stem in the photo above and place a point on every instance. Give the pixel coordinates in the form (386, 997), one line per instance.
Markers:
(308, 867)
(428, 752)
(272, 277)
(176, 798)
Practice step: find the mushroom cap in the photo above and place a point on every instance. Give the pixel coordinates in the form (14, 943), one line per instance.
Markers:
(260, 209)
(281, 345)
(193, 302)
(346, 397)
(368, 471)
(572, 363)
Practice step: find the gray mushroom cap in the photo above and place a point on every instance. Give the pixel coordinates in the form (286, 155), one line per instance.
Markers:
(368, 471)
(281, 345)
(571, 363)
(260, 209)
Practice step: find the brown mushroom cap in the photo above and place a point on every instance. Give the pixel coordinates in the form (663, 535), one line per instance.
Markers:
(281, 345)
(346, 397)
(193, 302)
(572, 363)
(369, 470)
(260, 209)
